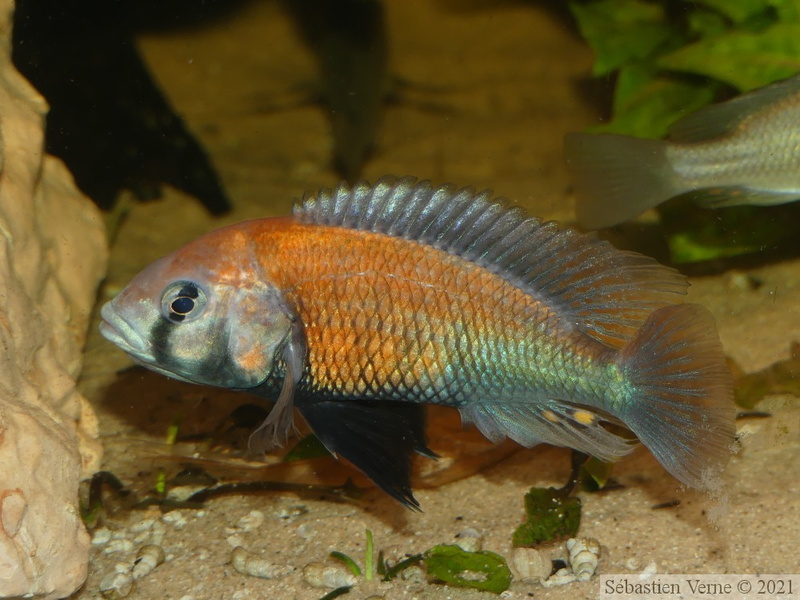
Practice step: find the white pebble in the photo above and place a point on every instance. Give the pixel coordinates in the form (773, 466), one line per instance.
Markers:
(740, 281)
(143, 525)
(235, 540)
(181, 493)
(251, 521)
(320, 575)
(414, 575)
(649, 570)
(202, 553)
(584, 554)
(157, 533)
(292, 513)
(306, 531)
(633, 564)
(528, 564)
(175, 518)
(469, 540)
(118, 545)
(560, 577)
(101, 536)
(147, 559)
(116, 585)
(247, 563)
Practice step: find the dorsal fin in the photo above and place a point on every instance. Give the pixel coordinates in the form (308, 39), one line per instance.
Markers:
(719, 119)
(604, 292)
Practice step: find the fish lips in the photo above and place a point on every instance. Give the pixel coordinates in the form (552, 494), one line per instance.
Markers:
(118, 331)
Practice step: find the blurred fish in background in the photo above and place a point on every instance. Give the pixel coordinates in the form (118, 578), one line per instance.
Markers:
(743, 151)
(348, 38)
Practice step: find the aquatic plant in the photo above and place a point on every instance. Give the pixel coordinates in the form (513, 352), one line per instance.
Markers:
(668, 58)
(671, 57)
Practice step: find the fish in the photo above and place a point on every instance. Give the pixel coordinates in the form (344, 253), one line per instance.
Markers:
(743, 151)
(370, 301)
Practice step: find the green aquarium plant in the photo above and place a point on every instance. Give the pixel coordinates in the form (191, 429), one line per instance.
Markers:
(668, 58)
(482, 570)
(671, 57)
(551, 513)
(445, 563)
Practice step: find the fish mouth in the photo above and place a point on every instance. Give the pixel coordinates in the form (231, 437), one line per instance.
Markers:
(117, 330)
(120, 332)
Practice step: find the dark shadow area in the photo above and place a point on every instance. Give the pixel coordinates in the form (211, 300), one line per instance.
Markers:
(108, 119)
(349, 41)
(767, 232)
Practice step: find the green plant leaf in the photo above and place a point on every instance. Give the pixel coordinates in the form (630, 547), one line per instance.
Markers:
(742, 59)
(706, 23)
(695, 234)
(737, 11)
(340, 591)
(595, 474)
(647, 103)
(308, 447)
(788, 11)
(390, 573)
(550, 514)
(480, 570)
(348, 562)
(369, 557)
(621, 31)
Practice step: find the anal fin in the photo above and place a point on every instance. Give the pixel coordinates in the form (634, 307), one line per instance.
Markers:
(554, 422)
(719, 197)
(378, 437)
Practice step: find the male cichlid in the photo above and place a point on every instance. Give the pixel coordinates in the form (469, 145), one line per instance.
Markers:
(371, 301)
(744, 151)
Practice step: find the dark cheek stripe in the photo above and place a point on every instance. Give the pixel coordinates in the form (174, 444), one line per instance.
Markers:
(213, 365)
(215, 368)
(160, 333)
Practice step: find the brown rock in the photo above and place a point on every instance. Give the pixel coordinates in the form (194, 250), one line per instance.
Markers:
(52, 256)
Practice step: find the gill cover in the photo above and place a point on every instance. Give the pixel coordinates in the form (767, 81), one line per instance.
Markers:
(252, 334)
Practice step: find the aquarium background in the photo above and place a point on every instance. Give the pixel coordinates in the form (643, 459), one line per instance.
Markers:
(475, 93)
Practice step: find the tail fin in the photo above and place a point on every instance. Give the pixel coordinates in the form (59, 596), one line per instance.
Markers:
(683, 409)
(617, 177)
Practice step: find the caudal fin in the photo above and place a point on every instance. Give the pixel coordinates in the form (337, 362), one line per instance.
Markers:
(617, 177)
(683, 406)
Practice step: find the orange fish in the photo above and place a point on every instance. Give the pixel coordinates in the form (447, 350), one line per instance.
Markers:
(371, 301)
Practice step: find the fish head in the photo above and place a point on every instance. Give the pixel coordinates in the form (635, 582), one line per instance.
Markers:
(203, 314)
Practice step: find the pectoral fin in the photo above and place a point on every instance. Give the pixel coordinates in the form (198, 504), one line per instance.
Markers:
(378, 437)
(274, 431)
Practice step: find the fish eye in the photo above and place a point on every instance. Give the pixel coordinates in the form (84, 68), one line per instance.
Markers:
(183, 301)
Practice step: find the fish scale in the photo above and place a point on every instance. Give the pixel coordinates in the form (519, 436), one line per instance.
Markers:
(371, 301)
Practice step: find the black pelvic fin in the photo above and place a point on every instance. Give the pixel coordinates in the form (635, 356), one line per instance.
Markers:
(378, 437)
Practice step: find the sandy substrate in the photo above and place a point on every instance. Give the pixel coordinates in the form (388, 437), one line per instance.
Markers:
(506, 76)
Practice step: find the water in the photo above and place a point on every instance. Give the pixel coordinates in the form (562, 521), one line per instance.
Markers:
(497, 87)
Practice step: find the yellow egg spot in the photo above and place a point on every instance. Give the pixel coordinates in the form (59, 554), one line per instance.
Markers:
(583, 417)
(551, 416)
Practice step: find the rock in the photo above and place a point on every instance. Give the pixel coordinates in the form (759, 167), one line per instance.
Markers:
(52, 256)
